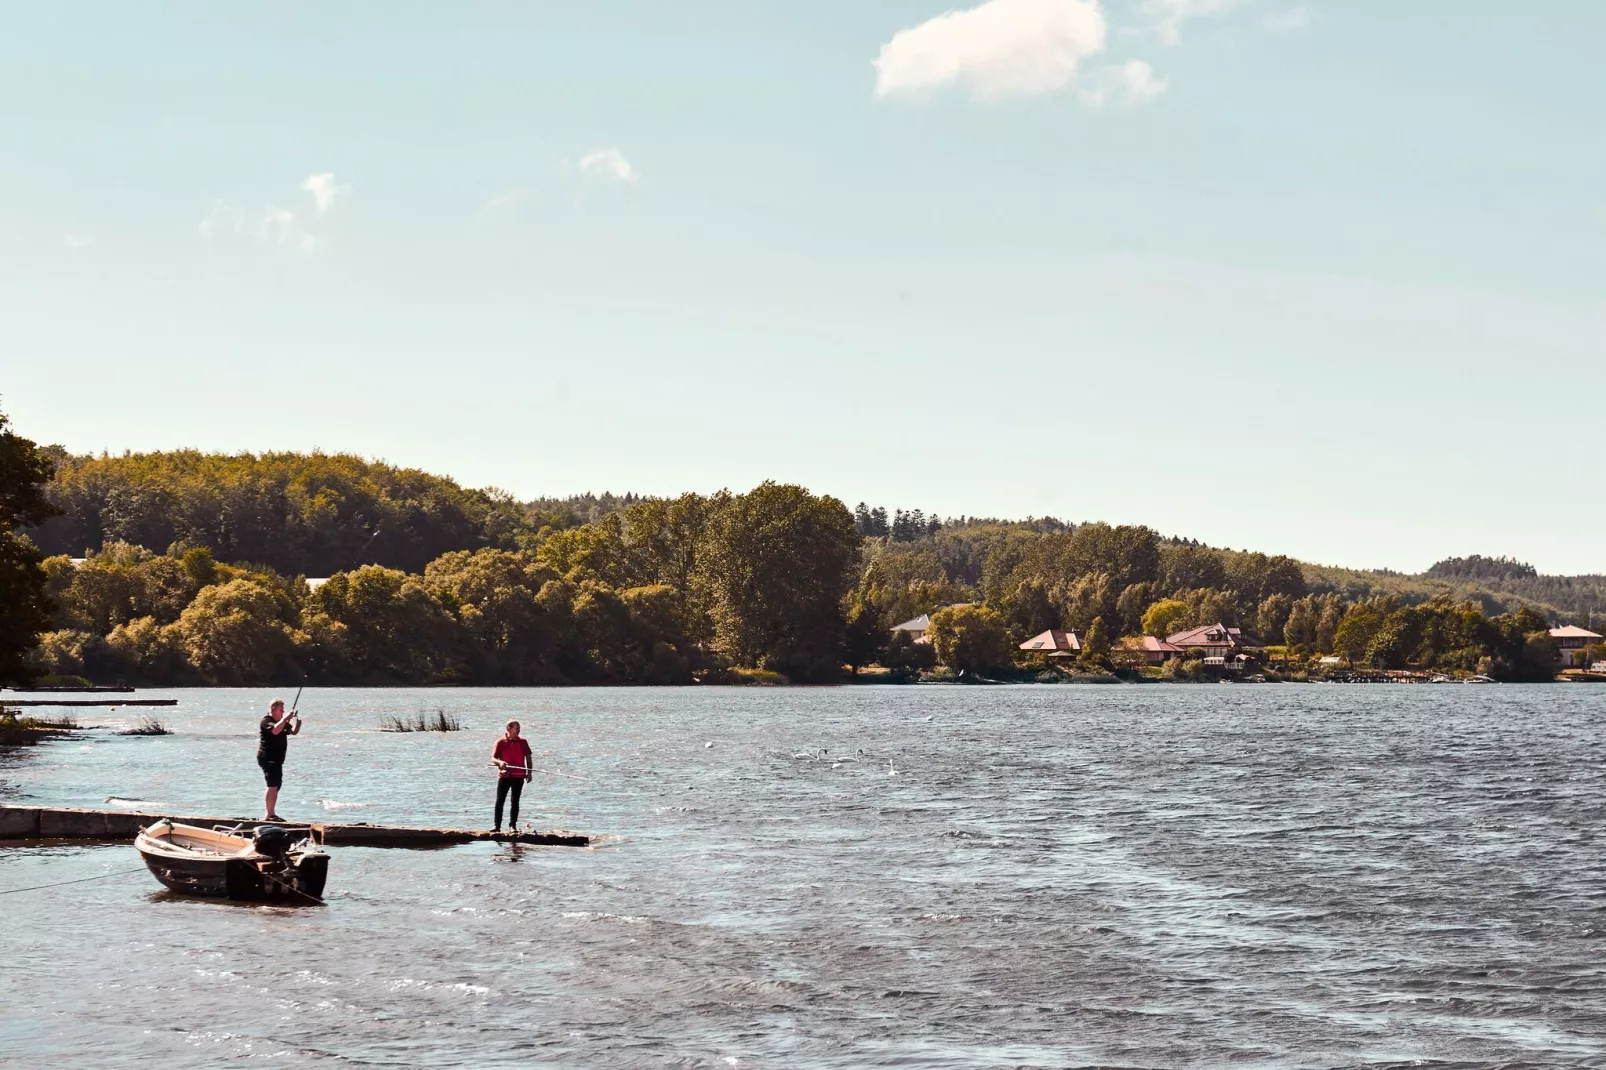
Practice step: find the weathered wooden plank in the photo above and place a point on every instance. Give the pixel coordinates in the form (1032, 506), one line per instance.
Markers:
(88, 702)
(77, 823)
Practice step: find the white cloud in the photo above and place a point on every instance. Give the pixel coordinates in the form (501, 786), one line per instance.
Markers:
(77, 241)
(1290, 20)
(609, 165)
(1000, 49)
(1132, 82)
(1167, 16)
(271, 225)
(501, 204)
(325, 190)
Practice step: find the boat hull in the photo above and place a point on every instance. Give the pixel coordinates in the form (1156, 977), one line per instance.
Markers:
(298, 875)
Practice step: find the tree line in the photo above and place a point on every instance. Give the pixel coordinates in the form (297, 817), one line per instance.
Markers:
(664, 592)
(194, 570)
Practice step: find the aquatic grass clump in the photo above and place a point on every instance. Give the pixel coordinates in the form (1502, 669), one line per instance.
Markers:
(67, 722)
(16, 730)
(758, 677)
(439, 721)
(147, 726)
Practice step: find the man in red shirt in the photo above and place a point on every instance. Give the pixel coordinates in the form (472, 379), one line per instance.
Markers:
(512, 757)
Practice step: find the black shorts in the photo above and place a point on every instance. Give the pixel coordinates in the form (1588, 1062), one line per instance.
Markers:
(272, 772)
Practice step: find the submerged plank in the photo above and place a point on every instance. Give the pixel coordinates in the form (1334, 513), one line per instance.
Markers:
(88, 702)
(77, 823)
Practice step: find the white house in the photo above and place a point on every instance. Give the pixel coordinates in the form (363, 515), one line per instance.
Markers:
(916, 628)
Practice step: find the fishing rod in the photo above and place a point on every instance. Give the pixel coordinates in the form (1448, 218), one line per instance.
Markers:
(532, 769)
(294, 714)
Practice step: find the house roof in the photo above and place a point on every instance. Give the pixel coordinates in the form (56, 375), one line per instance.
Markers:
(1572, 631)
(1151, 643)
(1053, 639)
(1195, 637)
(922, 623)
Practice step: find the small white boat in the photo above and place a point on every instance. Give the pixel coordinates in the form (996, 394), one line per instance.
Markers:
(273, 862)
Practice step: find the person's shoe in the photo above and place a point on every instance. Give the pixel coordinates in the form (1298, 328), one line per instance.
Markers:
(497, 831)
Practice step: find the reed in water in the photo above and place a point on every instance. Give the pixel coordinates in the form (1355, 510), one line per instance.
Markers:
(147, 726)
(439, 721)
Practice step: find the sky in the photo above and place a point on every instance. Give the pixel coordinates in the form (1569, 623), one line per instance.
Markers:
(1317, 278)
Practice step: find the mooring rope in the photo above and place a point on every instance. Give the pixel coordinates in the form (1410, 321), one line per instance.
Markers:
(80, 880)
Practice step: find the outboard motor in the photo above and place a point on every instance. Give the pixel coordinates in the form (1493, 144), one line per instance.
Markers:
(274, 840)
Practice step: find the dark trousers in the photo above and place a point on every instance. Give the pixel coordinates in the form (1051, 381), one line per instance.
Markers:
(505, 786)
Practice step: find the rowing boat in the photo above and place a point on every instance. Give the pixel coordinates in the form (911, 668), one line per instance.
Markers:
(272, 863)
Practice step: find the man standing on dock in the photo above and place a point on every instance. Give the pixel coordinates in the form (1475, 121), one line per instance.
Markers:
(276, 730)
(512, 757)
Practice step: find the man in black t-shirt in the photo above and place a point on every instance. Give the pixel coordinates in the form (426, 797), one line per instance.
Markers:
(276, 730)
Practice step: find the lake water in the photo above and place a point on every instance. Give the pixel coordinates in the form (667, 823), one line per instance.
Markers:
(1008, 876)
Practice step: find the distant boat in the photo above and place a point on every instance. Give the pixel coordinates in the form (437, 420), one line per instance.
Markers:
(273, 863)
(1480, 679)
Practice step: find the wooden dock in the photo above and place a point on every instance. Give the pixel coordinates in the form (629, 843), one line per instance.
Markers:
(19, 823)
(88, 702)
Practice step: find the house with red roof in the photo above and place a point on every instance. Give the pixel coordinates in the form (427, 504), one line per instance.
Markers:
(1054, 643)
(1217, 644)
(1157, 651)
(1571, 642)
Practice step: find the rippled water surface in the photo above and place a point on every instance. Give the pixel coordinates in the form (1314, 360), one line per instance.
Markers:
(1032, 876)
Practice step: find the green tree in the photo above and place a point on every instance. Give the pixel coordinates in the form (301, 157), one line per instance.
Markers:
(596, 553)
(25, 471)
(1538, 656)
(865, 635)
(1356, 631)
(905, 654)
(1130, 607)
(1188, 568)
(606, 635)
(664, 535)
(1097, 647)
(971, 638)
(1126, 553)
(397, 631)
(772, 569)
(147, 652)
(71, 652)
(1271, 618)
(493, 594)
(1397, 638)
(664, 622)
(308, 514)
(236, 633)
(1332, 614)
(1092, 595)
(1299, 631)
(1166, 617)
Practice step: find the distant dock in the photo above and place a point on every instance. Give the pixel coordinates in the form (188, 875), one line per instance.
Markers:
(88, 702)
(97, 689)
(19, 823)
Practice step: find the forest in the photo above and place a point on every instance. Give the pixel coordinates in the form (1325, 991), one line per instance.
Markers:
(192, 568)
